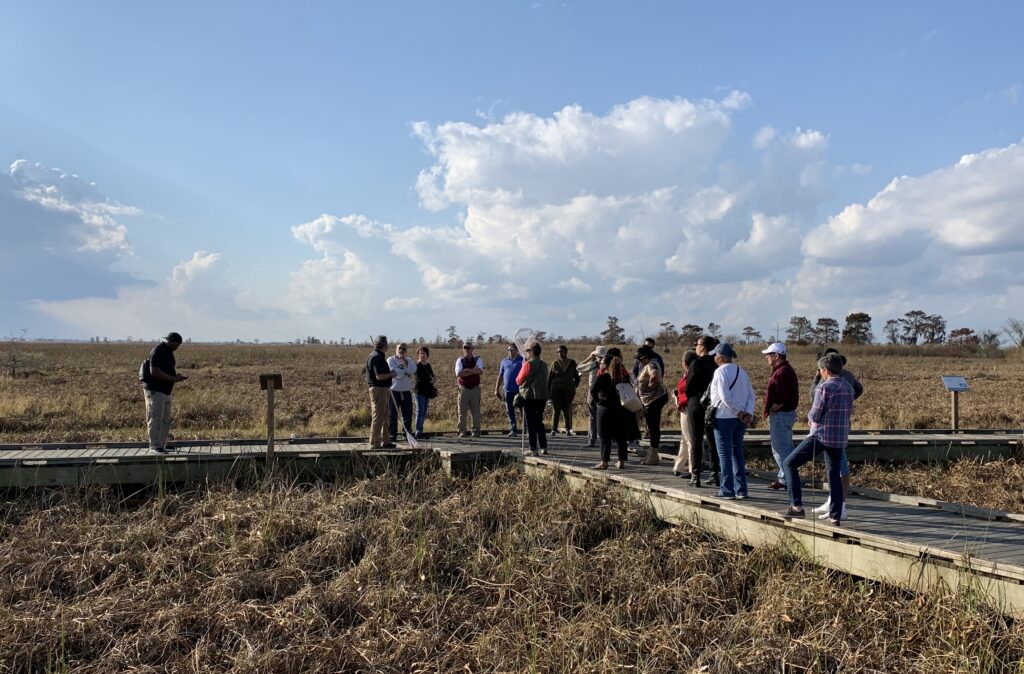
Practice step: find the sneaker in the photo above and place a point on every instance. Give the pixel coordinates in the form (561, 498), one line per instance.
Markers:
(554, 432)
(461, 434)
(694, 481)
(476, 434)
(570, 432)
(620, 465)
(723, 496)
(741, 497)
(714, 480)
(823, 508)
(842, 516)
(513, 433)
(793, 513)
(533, 452)
(544, 451)
(388, 445)
(158, 450)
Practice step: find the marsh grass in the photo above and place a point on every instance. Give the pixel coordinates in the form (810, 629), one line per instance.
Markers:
(424, 573)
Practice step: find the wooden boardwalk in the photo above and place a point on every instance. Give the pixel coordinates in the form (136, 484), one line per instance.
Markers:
(917, 542)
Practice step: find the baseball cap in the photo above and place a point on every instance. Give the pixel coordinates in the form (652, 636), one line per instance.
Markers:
(724, 349)
(776, 347)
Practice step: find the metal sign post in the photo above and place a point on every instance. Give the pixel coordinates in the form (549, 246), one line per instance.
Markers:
(270, 383)
(955, 385)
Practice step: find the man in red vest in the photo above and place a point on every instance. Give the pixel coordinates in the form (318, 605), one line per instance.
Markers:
(468, 369)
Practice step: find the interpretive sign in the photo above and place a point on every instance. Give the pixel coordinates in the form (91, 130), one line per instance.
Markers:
(955, 383)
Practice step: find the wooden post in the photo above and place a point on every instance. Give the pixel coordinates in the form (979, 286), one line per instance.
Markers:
(269, 423)
(270, 383)
(956, 410)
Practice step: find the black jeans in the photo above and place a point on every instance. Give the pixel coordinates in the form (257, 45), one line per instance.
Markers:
(534, 415)
(695, 417)
(652, 415)
(612, 425)
(400, 400)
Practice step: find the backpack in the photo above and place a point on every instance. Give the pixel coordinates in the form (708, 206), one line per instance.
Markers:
(144, 376)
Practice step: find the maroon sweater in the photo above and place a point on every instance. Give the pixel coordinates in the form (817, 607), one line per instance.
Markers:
(782, 389)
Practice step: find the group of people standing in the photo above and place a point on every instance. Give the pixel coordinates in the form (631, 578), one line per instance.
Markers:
(716, 401)
(392, 382)
(714, 397)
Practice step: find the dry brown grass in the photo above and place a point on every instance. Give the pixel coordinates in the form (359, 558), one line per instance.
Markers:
(89, 392)
(423, 573)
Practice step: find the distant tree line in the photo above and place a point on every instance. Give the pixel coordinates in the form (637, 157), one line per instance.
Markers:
(915, 327)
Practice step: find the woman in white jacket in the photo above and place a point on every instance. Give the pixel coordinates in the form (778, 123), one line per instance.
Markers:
(733, 397)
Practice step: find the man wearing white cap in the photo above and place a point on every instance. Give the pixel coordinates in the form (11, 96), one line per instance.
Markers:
(780, 401)
(589, 366)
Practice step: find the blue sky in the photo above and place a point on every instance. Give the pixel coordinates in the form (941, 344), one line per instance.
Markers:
(257, 170)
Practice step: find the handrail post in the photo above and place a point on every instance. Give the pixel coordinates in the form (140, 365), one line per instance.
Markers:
(270, 383)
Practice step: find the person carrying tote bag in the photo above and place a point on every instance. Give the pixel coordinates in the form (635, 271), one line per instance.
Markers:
(733, 397)
(654, 396)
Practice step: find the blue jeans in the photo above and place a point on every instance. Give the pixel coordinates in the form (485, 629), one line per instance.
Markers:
(401, 401)
(422, 404)
(780, 426)
(510, 410)
(803, 453)
(729, 439)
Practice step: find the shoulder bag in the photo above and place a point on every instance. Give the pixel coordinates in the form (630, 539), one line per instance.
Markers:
(628, 398)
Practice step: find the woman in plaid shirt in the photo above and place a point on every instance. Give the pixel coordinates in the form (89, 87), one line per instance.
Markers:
(829, 421)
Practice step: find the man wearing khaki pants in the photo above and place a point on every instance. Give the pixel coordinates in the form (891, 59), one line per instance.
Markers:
(467, 371)
(158, 378)
(378, 380)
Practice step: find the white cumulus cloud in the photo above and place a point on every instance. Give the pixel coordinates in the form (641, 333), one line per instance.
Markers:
(972, 207)
(98, 228)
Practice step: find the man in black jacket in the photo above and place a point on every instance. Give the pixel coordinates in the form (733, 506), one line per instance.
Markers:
(378, 381)
(697, 381)
(158, 384)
